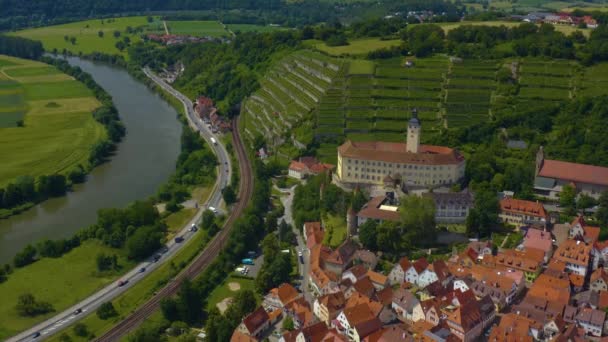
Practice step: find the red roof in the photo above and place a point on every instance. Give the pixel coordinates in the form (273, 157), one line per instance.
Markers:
(523, 207)
(581, 173)
(256, 319)
(297, 166)
(397, 153)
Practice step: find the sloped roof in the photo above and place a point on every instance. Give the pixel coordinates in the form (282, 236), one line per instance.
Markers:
(574, 252)
(397, 153)
(518, 206)
(372, 210)
(538, 239)
(256, 319)
(420, 265)
(297, 166)
(285, 293)
(376, 277)
(580, 173)
(344, 253)
(389, 334)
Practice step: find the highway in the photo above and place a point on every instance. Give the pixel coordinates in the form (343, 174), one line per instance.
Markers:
(63, 319)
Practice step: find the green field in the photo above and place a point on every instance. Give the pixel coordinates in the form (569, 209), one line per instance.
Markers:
(197, 28)
(62, 282)
(58, 126)
(355, 47)
(86, 34)
(252, 28)
(223, 291)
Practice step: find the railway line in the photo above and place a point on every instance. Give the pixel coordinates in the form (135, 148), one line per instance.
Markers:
(204, 259)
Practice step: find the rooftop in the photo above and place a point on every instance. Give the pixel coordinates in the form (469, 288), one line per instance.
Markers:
(397, 153)
(523, 207)
(581, 173)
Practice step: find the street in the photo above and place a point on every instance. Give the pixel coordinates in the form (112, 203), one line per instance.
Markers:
(112, 290)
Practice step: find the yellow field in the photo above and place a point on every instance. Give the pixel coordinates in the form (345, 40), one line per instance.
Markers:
(58, 128)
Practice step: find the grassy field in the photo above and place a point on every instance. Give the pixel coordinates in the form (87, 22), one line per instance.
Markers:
(355, 47)
(197, 28)
(86, 34)
(58, 126)
(143, 290)
(62, 282)
(335, 230)
(250, 28)
(223, 291)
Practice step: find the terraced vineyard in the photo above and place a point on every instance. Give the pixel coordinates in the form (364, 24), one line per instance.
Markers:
(282, 108)
(594, 81)
(469, 92)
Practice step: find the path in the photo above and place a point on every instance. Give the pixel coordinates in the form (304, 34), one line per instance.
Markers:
(166, 28)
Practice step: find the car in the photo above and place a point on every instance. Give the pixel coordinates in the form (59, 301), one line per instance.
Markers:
(179, 239)
(193, 229)
(142, 270)
(300, 254)
(225, 163)
(77, 311)
(36, 334)
(156, 257)
(122, 283)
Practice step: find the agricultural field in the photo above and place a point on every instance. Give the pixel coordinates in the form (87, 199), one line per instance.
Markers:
(355, 47)
(289, 93)
(595, 81)
(46, 124)
(59, 281)
(469, 92)
(198, 28)
(542, 80)
(87, 34)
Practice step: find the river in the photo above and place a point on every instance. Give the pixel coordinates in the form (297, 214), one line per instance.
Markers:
(145, 159)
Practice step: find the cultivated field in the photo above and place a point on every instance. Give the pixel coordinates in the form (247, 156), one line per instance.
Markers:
(87, 35)
(55, 112)
(566, 29)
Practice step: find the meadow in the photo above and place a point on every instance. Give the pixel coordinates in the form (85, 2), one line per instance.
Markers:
(197, 28)
(59, 281)
(87, 35)
(355, 47)
(58, 128)
(252, 28)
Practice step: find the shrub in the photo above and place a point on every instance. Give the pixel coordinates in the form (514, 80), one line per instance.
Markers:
(106, 310)
(28, 306)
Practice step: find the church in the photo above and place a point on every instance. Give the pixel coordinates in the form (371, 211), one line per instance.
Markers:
(408, 163)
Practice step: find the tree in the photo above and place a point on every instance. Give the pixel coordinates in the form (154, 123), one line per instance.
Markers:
(73, 40)
(484, 216)
(28, 306)
(585, 202)
(100, 34)
(358, 200)
(106, 262)
(288, 324)
(567, 199)
(424, 40)
(244, 303)
(65, 338)
(25, 257)
(367, 234)
(120, 45)
(116, 33)
(80, 329)
(218, 327)
(418, 219)
(228, 194)
(106, 310)
(285, 232)
(77, 174)
(208, 219)
(144, 242)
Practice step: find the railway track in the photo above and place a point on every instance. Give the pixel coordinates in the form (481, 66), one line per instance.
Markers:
(204, 259)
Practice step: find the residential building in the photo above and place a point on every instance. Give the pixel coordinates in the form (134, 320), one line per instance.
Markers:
(341, 258)
(540, 240)
(437, 271)
(281, 296)
(300, 313)
(520, 212)
(313, 234)
(468, 320)
(307, 166)
(579, 230)
(415, 270)
(327, 307)
(380, 209)
(407, 306)
(599, 280)
(553, 175)
(576, 255)
(322, 282)
(409, 163)
(515, 328)
(591, 320)
(255, 324)
(451, 207)
(379, 281)
(317, 332)
(528, 261)
(397, 275)
(392, 333)
(358, 322)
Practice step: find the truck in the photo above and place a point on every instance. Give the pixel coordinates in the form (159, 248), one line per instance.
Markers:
(213, 141)
(247, 261)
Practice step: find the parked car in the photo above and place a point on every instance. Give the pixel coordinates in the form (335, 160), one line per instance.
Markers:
(156, 257)
(122, 282)
(36, 334)
(248, 261)
(142, 270)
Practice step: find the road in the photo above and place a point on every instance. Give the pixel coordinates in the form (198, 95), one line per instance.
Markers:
(205, 258)
(111, 291)
(287, 200)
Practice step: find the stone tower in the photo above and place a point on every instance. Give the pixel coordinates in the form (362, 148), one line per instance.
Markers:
(540, 159)
(413, 133)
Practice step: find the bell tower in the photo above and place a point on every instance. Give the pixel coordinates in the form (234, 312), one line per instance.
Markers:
(413, 133)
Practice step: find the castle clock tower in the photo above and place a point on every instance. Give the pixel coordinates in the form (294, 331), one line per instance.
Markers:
(413, 133)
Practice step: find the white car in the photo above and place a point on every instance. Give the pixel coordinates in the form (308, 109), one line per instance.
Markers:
(300, 253)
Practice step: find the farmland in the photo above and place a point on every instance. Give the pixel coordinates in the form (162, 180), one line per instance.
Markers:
(86, 34)
(56, 113)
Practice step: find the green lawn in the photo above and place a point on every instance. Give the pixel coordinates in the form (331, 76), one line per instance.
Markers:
(143, 290)
(250, 27)
(223, 291)
(335, 230)
(361, 67)
(62, 282)
(86, 34)
(54, 138)
(355, 47)
(197, 28)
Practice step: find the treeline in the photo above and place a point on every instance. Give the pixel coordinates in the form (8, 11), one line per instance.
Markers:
(226, 73)
(196, 165)
(20, 47)
(526, 39)
(247, 231)
(25, 191)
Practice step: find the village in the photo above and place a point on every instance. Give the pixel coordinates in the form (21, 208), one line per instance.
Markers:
(549, 284)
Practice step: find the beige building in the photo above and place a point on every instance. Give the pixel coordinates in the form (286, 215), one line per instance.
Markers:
(410, 163)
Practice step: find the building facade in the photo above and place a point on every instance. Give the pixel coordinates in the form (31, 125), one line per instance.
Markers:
(409, 163)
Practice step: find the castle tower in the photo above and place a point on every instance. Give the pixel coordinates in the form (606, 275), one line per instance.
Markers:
(540, 159)
(413, 133)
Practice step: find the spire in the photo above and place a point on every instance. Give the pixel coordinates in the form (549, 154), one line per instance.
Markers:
(414, 119)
